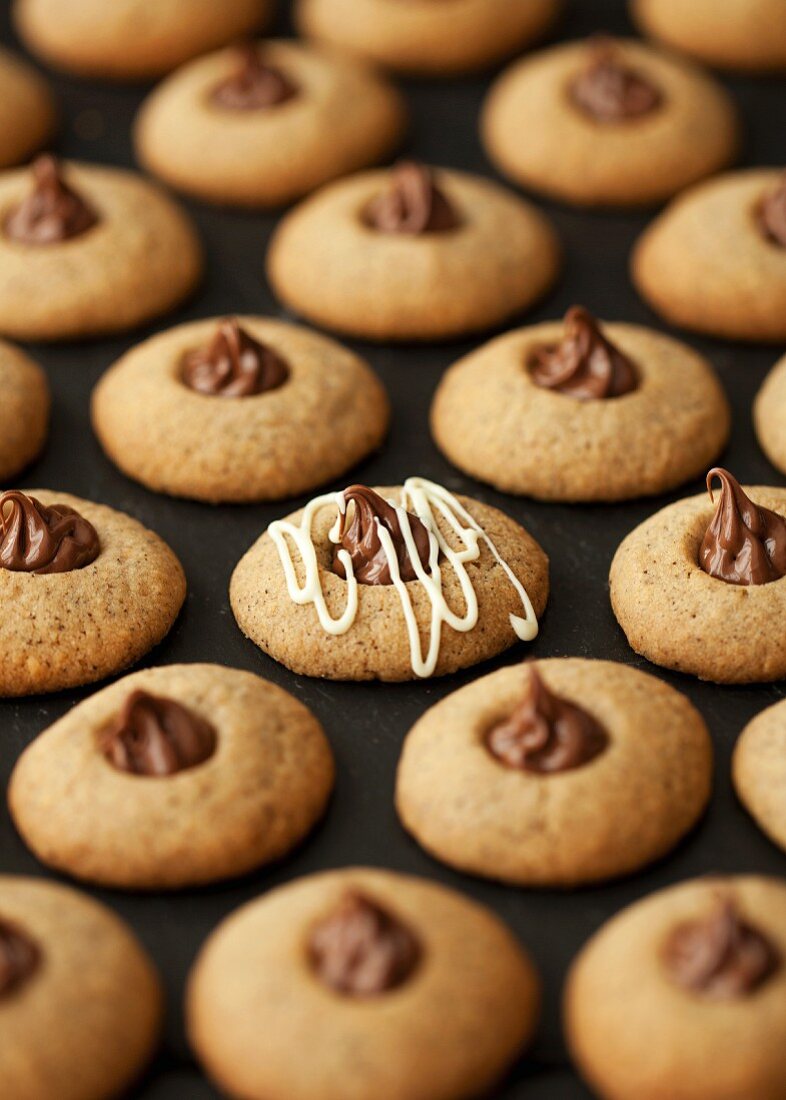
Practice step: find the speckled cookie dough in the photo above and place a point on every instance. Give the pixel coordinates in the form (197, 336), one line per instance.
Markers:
(24, 410)
(92, 594)
(710, 263)
(571, 436)
(265, 124)
(427, 38)
(132, 39)
(80, 1001)
(27, 110)
(608, 123)
(759, 771)
(87, 251)
(769, 415)
(412, 255)
(128, 791)
(397, 987)
(682, 996)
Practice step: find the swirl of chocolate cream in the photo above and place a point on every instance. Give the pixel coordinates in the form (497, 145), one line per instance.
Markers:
(233, 364)
(361, 950)
(773, 214)
(545, 733)
(584, 365)
(254, 85)
(744, 543)
(52, 212)
(41, 539)
(360, 538)
(609, 90)
(153, 736)
(19, 957)
(413, 204)
(720, 956)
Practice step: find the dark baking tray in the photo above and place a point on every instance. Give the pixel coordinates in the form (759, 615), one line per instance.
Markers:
(366, 723)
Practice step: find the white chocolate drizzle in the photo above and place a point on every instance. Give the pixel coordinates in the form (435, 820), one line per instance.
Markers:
(424, 499)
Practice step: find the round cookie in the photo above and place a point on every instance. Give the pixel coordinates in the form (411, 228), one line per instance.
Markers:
(131, 39)
(743, 35)
(131, 791)
(80, 1001)
(306, 412)
(88, 252)
(412, 256)
(398, 987)
(540, 412)
(24, 410)
(769, 410)
(680, 616)
(682, 996)
(759, 771)
(427, 38)
(88, 595)
(709, 264)
(556, 773)
(27, 110)
(390, 584)
(608, 123)
(263, 126)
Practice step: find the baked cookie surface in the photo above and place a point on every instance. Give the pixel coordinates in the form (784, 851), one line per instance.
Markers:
(769, 415)
(709, 263)
(24, 410)
(80, 1001)
(622, 772)
(121, 792)
(413, 255)
(682, 996)
(266, 124)
(608, 123)
(27, 110)
(540, 412)
(759, 771)
(304, 413)
(420, 36)
(400, 987)
(87, 596)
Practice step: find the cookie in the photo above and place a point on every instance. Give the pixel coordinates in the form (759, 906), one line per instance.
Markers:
(412, 254)
(262, 125)
(421, 37)
(608, 122)
(27, 110)
(173, 777)
(581, 411)
(682, 996)
(769, 410)
(398, 988)
(85, 590)
(88, 251)
(240, 409)
(390, 584)
(80, 1001)
(131, 39)
(742, 35)
(759, 771)
(24, 410)
(715, 260)
(699, 588)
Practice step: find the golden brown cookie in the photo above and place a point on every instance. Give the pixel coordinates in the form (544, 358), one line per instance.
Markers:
(242, 409)
(27, 110)
(713, 264)
(555, 773)
(264, 125)
(608, 123)
(172, 777)
(769, 415)
(412, 255)
(421, 36)
(581, 411)
(396, 987)
(80, 1001)
(390, 584)
(759, 771)
(85, 591)
(24, 410)
(132, 39)
(682, 996)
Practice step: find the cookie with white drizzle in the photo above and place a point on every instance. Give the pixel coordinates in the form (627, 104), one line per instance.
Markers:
(390, 584)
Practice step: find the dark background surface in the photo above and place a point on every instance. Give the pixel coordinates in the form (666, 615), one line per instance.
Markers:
(367, 723)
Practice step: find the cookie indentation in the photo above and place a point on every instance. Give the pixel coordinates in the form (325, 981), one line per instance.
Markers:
(20, 957)
(773, 214)
(154, 736)
(745, 543)
(362, 538)
(609, 90)
(585, 364)
(40, 539)
(254, 85)
(413, 204)
(233, 364)
(52, 212)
